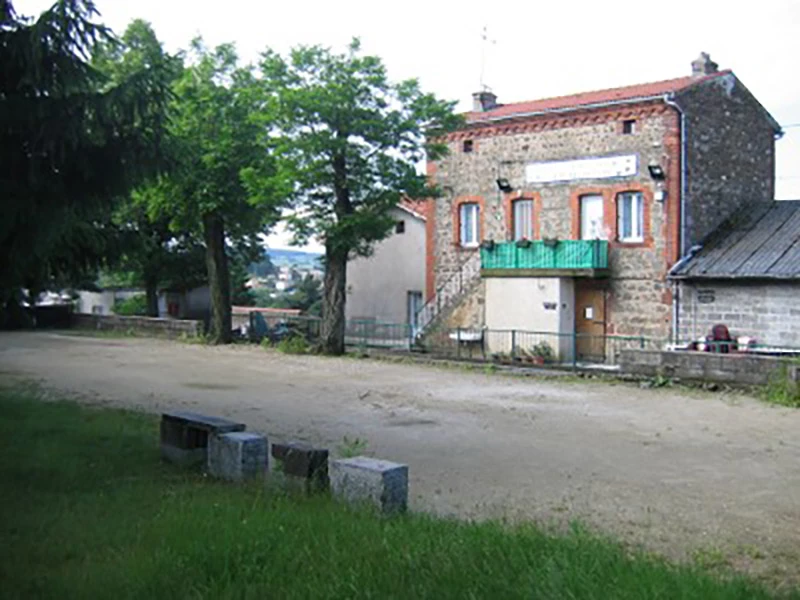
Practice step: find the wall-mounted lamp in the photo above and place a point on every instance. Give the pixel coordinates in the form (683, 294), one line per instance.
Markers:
(656, 171)
(504, 185)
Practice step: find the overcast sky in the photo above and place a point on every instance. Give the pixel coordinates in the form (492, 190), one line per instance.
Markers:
(541, 49)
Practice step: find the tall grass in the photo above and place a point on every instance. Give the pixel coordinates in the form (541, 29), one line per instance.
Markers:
(87, 510)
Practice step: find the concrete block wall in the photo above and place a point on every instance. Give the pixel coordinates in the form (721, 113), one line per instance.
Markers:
(768, 312)
(738, 368)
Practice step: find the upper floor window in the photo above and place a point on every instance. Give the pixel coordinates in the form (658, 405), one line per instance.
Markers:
(523, 219)
(630, 217)
(467, 146)
(469, 223)
(629, 126)
(399, 226)
(592, 227)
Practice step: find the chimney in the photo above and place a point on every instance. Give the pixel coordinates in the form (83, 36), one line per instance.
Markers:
(483, 101)
(703, 65)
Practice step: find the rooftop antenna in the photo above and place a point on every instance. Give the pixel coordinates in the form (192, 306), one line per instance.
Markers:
(485, 42)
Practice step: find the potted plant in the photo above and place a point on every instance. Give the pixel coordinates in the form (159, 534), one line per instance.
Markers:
(523, 243)
(487, 245)
(542, 353)
(551, 242)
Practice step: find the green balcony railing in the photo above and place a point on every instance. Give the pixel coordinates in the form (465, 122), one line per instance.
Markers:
(562, 254)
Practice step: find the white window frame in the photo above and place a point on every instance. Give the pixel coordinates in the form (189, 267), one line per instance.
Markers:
(636, 200)
(595, 230)
(522, 229)
(469, 233)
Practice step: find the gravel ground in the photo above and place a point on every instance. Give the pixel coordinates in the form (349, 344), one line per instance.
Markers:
(713, 478)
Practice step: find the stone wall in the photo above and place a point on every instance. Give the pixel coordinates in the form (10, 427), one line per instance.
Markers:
(638, 270)
(730, 153)
(769, 312)
(171, 328)
(740, 368)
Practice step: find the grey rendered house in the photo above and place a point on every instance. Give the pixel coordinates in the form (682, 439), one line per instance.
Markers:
(387, 287)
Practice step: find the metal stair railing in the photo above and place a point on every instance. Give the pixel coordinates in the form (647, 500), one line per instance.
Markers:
(463, 279)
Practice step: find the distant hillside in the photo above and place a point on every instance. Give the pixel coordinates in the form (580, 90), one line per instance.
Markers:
(293, 257)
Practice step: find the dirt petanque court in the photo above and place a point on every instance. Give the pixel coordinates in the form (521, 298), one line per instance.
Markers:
(707, 477)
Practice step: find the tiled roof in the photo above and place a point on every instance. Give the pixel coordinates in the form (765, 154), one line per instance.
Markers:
(629, 93)
(760, 242)
(418, 208)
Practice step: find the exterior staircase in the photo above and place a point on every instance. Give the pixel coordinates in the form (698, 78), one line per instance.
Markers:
(461, 281)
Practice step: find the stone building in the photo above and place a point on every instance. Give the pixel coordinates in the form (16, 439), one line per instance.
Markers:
(565, 215)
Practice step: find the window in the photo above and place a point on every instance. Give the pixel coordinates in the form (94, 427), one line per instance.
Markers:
(400, 227)
(523, 219)
(592, 218)
(469, 216)
(467, 146)
(629, 126)
(630, 217)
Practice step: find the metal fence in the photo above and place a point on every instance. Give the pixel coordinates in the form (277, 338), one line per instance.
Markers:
(358, 332)
(543, 348)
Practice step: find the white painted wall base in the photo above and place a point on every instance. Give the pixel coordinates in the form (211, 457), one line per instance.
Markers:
(533, 307)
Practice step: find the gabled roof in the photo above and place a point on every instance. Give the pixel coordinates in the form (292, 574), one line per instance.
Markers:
(416, 208)
(759, 242)
(630, 93)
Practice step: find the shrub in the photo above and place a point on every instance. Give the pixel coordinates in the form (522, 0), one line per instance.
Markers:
(294, 345)
(783, 389)
(135, 306)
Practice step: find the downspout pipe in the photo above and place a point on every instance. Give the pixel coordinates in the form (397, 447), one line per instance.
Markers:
(669, 100)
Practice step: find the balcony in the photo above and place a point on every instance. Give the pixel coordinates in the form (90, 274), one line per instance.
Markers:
(556, 258)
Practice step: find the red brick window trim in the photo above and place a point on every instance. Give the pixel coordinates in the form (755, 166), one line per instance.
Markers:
(510, 205)
(468, 222)
(641, 232)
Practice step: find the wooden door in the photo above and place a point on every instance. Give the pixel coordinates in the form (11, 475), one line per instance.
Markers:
(590, 323)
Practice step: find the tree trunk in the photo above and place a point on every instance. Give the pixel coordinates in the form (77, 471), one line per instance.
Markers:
(151, 292)
(218, 278)
(333, 298)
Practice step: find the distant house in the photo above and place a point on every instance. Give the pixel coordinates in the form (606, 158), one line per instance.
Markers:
(746, 276)
(101, 302)
(387, 286)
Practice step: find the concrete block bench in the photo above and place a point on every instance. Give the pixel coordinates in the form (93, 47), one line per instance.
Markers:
(237, 456)
(184, 435)
(303, 465)
(380, 483)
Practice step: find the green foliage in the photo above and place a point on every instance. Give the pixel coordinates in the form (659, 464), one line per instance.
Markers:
(351, 447)
(544, 351)
(90, 511)
(131, 307)
(70, 143)
(782, 389)
(295, 344)
(349, 141)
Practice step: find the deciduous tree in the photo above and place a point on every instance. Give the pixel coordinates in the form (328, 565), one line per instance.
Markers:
(349, 141)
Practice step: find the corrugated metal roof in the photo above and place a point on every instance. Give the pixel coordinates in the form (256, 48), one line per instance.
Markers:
(760, 242)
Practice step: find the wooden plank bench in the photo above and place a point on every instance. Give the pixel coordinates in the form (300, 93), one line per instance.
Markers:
(184, 435)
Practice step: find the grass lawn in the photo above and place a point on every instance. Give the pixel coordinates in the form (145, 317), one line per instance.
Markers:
(87, 510)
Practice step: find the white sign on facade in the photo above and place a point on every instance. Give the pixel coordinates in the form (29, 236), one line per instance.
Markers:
(584, 168)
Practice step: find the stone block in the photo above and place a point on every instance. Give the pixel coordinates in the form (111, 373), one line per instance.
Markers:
(303, 465)
(184, 435)
(361, 479)
(237, 456)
